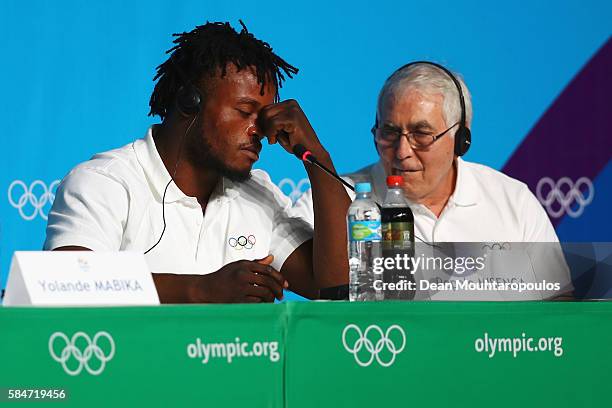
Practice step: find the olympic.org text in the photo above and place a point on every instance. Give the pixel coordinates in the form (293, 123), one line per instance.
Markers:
(232, 350)
(459, 264)
(516, 345)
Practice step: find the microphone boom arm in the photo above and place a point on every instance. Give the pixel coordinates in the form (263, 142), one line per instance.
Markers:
(305, 155)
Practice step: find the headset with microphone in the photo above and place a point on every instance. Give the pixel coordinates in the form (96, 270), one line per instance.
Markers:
(463, 136)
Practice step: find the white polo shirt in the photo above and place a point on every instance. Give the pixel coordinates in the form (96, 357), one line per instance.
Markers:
(113, 203)
(489, 207)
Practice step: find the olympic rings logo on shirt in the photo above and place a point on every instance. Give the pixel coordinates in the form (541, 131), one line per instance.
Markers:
(575, 194)
(242, 242)
(28, 196)
(83, 357)
(501, 246)
(296, 189)
(373, 349)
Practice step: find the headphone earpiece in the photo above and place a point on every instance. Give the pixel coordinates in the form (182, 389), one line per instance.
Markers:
(463, 140)
(188, 97)
(188, 100)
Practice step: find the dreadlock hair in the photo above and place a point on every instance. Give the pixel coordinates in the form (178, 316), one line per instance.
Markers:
(207, 49)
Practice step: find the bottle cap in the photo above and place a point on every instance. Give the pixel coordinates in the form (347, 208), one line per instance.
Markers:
(363, 188)
(394, 181)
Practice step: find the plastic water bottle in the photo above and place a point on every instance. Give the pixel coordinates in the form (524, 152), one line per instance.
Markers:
(364, 245)
(398, 241)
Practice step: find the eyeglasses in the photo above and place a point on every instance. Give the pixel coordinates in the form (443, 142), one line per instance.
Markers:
(387, 136)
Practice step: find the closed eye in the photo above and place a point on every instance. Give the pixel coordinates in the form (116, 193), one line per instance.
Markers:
(393, 132)
(244, 113)
(421, 134)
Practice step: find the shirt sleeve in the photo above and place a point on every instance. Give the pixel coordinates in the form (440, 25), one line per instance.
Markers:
(289, 228)
(90, 210)
(290, 231)
(303, 207)
(537, 227)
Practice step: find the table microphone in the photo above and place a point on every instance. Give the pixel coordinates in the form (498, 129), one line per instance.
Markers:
(306, 155)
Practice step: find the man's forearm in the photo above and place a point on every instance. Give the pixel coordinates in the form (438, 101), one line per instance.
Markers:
(330, 205)
(173, 288)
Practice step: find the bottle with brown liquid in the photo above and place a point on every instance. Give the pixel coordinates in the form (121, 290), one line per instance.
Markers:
(398, 241)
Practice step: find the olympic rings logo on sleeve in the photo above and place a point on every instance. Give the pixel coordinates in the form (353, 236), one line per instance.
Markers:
(374, 346)
(70, 351)
(242, 242)
(29, 203)
(582, 193)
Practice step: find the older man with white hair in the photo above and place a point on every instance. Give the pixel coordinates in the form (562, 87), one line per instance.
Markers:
(422, 129)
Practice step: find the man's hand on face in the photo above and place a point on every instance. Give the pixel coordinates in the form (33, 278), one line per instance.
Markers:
(286, 123)
(243, 282)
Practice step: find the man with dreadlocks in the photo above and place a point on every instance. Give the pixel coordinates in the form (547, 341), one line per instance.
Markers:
(212, 229)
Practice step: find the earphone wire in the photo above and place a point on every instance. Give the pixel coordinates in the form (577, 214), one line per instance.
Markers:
(172, 176)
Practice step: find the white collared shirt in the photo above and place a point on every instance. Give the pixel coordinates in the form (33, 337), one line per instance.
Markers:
(113, 202)
(486, 207)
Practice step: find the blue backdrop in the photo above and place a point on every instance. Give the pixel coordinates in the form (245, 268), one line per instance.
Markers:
(77, 79)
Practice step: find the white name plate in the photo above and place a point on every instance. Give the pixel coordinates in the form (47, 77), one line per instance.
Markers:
(79, 278)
